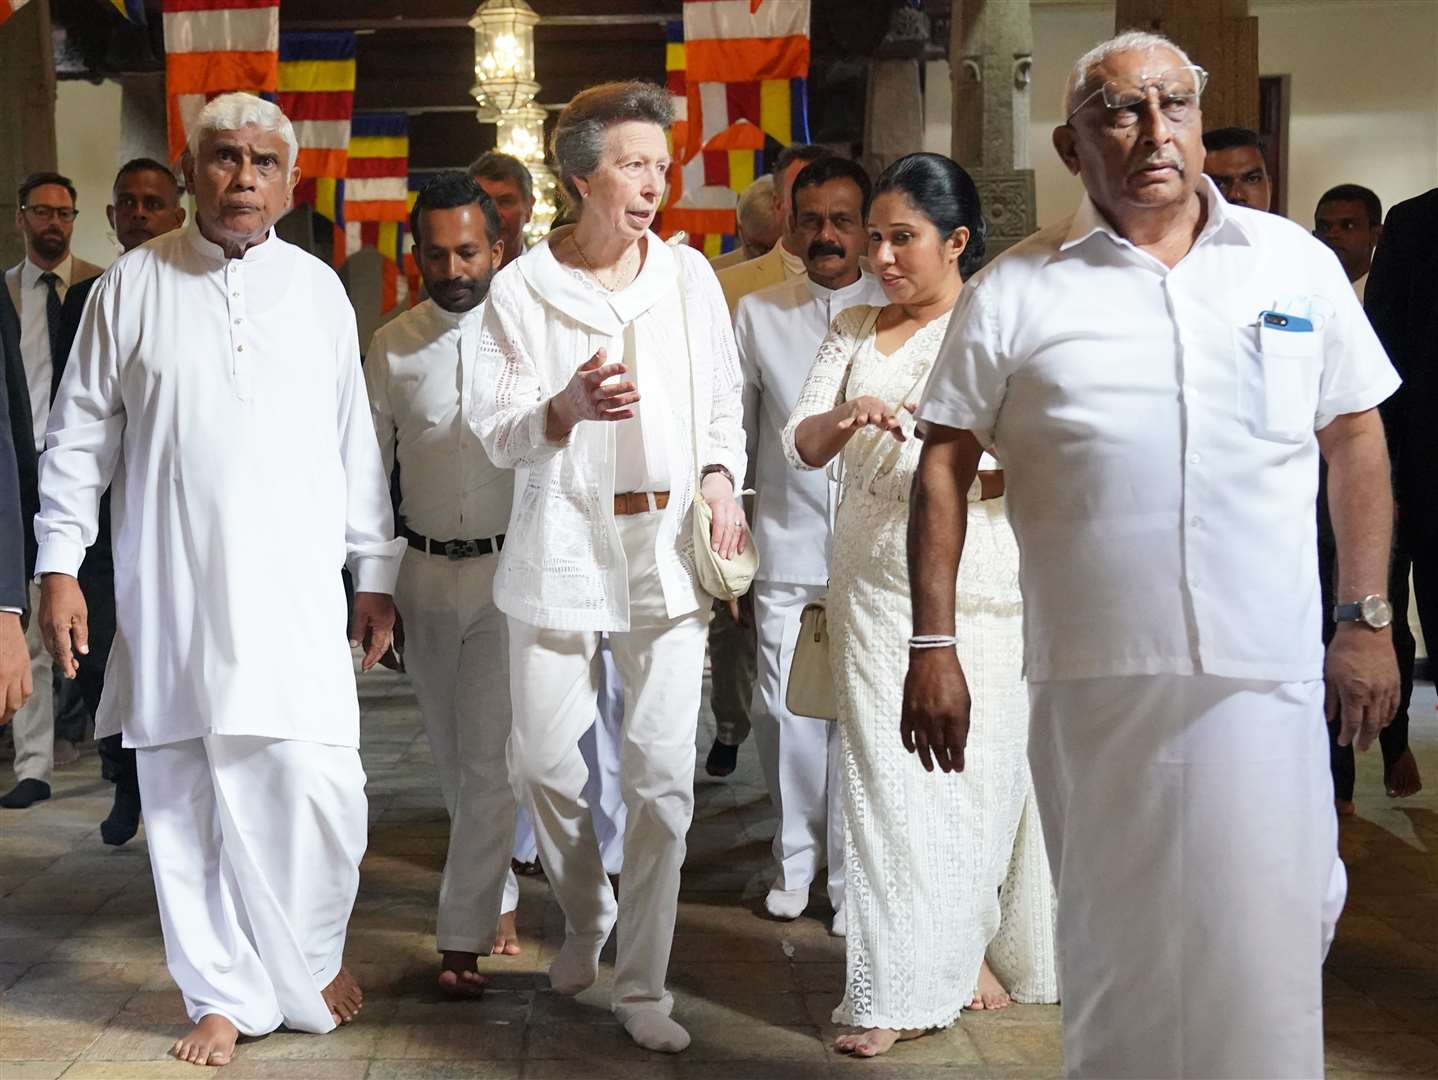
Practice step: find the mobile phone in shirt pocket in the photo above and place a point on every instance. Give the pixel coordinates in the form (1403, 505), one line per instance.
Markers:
(1280, 367)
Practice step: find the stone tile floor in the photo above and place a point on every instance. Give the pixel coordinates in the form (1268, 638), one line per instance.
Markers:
(86, 995)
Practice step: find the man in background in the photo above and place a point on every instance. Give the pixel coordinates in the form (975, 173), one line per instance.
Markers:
(757, 224)
(1349, 219)
(1233, 159)
(507, 182)
(45, 292)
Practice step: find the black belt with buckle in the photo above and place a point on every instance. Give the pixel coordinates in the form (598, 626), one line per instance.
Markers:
(452, 549)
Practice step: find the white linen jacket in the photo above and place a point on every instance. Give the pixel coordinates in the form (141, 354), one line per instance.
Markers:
(563, 566)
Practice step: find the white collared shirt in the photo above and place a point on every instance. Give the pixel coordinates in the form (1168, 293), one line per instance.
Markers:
(1158, 439)
(224, 398)
(35, 337)
(418, 369)
(563, 566)
(778, 331)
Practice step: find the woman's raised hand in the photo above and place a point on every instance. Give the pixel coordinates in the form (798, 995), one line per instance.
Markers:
(869, 411)
(588, 397)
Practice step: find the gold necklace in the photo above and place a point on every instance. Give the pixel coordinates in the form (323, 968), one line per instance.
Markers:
(590, 266)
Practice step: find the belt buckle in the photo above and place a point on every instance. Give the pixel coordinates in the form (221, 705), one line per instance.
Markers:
(455, 550)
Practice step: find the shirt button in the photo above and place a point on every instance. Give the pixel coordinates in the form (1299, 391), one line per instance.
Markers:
(239, 348)
(1195, 521)
(1193, 459)
(235, 294)
(238, 321)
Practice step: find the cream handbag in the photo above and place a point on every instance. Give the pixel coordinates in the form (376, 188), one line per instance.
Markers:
(724, 579)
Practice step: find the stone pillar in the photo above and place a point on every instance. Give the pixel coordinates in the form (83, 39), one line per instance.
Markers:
(27, 122)
(893, 113)
(1221, 37)
(990, 54)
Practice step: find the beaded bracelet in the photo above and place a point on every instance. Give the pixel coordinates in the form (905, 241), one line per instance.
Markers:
(932, 641)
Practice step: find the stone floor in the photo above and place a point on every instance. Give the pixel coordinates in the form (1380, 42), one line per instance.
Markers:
(86, 994)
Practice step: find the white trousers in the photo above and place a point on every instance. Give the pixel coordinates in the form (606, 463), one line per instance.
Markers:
(1191, 833)
(799, 755)
(255, 846)
(600, 747)
(34, 725)
(457, 657)
(554, 679)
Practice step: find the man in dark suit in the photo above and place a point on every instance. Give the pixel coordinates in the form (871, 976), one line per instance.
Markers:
(15, 679)
(1402, 303)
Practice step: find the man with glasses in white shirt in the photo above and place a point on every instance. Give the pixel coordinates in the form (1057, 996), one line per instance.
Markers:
(1159, 374)
(39, 287)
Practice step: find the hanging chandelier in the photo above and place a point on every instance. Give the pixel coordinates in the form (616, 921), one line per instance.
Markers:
(521, 134)
(503, 56)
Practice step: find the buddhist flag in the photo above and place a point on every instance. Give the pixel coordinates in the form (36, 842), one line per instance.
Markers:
(746, 60)
(376, 195)
(132, 10)
(213, 47)
(316, 91)
(8, 8)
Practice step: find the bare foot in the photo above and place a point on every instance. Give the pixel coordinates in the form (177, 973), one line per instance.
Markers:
(1344, 807)
(459, 975)
(991, 993)
(1402, 780)
(506, 936)
(210, 1042)
(874, 1041)
(344, 997)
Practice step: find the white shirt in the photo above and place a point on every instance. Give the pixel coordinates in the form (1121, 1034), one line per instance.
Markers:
(35, 337)
(225, 399)
(418, 370)
(563, 566)
(1360, 286)
(1158, 444)
(778, 331)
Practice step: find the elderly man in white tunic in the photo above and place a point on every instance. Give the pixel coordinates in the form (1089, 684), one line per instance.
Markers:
(1159, 374)
(216, 381)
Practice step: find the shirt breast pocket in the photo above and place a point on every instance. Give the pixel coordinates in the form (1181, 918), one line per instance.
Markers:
(1279, 375)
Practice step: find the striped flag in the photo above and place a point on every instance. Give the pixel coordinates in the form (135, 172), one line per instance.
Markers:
(9, 7)
(713, 180)
(375, 198)
(316, 91)
(213, 47)
(746, 60)
(132, 10)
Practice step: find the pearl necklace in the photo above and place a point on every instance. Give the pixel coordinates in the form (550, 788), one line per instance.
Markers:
(594, 273)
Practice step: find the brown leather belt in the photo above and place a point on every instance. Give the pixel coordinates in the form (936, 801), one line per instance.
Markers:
(637, 502)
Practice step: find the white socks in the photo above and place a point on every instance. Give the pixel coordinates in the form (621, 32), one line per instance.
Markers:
(575, 968)
(786, 903)
(655, 1031)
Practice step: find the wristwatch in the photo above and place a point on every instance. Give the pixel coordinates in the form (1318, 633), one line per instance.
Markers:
(719, 469)
(1373, 611)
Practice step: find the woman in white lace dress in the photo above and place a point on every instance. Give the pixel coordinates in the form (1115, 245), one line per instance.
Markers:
(944, 869)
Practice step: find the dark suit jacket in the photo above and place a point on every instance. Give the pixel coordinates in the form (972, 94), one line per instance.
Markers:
(14, 525)
(1402, 302)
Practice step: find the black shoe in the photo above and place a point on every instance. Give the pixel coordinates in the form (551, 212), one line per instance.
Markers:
(25, 793)
(124, 820)
(722, 759)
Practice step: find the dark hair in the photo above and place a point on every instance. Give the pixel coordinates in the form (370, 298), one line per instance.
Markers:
(578, 140)
(945, 194)
(40, 179)
(826, 168)
(145, 164)
(497, 165)
(448, 190)
(1356, 193)
(1230, 138)
(807, 152)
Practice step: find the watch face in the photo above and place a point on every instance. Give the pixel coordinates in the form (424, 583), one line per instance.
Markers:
(1376, 611)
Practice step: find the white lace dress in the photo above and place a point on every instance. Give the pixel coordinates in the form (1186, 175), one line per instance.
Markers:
(942, 868)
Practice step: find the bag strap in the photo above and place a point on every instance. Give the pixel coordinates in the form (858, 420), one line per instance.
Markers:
(865, 329)
(689, 357)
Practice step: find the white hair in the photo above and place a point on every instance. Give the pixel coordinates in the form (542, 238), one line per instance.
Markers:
(1077, 87)
(756, 206)
(230, 112)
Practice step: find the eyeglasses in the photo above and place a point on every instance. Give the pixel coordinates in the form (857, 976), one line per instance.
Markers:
(41, 212)
(1178, 90)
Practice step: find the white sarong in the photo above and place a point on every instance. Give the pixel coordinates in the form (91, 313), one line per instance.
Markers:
(255, 846)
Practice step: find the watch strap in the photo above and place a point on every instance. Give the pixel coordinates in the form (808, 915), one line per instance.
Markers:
(1348, 612)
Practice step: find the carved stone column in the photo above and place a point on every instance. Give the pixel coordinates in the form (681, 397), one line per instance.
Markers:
(894, 109)
(27, 121)
(990, 54)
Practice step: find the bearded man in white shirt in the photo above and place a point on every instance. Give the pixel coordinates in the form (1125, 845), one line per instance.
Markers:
(245, 474)
(1159, 375)
(454, 504)
(778, 330)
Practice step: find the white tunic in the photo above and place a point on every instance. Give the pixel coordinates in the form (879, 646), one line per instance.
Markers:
(418, 371)
(225, 398)
(1158, 438)
(778, 331)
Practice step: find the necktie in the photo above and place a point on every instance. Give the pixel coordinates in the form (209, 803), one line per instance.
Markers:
(51, 281)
